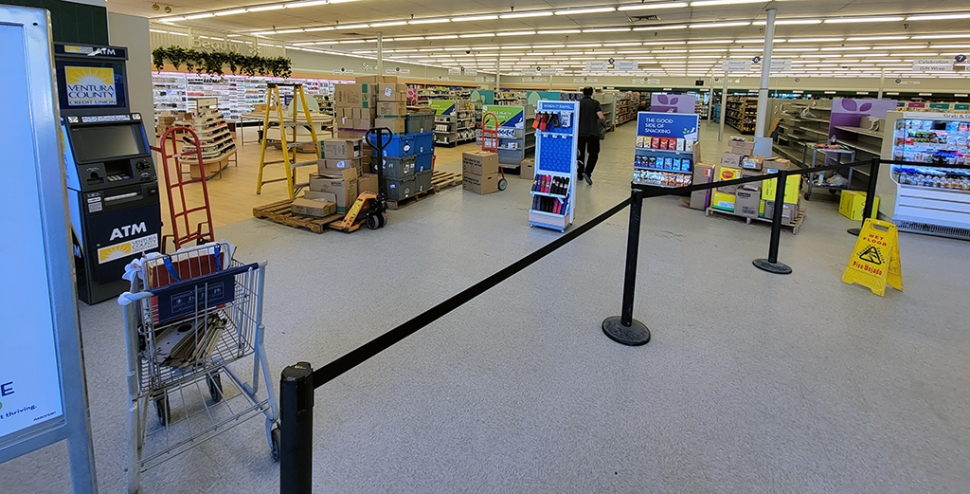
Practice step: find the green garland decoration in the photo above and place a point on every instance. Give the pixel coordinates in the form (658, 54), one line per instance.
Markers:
(213, 63)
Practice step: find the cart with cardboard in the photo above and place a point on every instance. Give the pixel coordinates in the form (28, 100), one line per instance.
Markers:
(191, 319)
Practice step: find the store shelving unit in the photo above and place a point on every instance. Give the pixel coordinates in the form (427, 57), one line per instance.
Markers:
(216, 141)
(457, 127)
(741, 113)
(801, 125)
(929, 199)
(608, 103)
(554, 197)
(627, 105)
(515, 142)
(666, 149)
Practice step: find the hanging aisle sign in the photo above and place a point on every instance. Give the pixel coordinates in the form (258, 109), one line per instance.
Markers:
(471, 72)
(735, 65)
(780, 65)
(626, 65)
(597, 66)
(933, 65)
(455, 71)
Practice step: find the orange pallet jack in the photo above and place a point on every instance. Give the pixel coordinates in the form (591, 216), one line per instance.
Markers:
(369, 208)
(490, 143)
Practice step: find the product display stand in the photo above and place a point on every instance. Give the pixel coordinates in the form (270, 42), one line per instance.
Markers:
(216, 143)
(515, 131)
(666, 149)
(554, 186)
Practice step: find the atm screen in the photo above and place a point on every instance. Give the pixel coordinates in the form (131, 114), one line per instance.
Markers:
(84, 84)
(105, 143)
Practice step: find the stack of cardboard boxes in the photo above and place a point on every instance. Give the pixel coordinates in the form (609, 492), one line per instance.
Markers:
(339, 180)
(480, 173)
(753, 199)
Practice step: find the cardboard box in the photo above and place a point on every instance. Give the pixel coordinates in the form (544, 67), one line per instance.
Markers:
(325, 196)
(744, 148)
(792, 189)
(392, 92)
(392, 108)
(344, 188)
(396, 125)
(732, 160)
(788, 214)
(851, 204)
(479, 163)
(725, 173)
(355, 95)
(751, 162)
(336, 168)
(747, 203)
(703, 174)
(481, 184)
(773, 164)
(365, 113)
(367, 183)
(345, 133)
(313, 207)
(722, 201)
(527, 169)
(342, 148)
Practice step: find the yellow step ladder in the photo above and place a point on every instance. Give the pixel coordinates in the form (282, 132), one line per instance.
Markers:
(288, 147)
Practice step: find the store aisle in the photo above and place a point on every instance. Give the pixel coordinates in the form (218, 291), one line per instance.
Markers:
(752, 382)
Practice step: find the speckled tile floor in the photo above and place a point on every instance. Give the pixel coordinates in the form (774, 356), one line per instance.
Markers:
(752, 382)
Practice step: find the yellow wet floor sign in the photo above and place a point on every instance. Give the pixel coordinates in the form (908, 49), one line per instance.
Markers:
(875, 258)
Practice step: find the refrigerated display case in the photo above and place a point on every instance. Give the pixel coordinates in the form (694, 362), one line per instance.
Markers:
(931, 199)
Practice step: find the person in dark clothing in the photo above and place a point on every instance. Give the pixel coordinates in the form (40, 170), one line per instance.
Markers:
(591, 120)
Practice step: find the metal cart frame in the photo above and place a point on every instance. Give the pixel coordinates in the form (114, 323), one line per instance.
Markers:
(187, 318)
(837, 159)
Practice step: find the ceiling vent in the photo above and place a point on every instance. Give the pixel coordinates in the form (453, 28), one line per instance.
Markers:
(644, 18)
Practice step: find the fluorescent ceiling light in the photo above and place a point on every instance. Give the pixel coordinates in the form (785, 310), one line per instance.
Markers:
(942, 36)
(519, 15)
(719, 24)
(951, 47)
(350, 41)
(815, 40)
(259, 33)
(661, 28)
(199, 16)
(516, 47)
(263, 8)
(709, 42)
(311, 3)
(592, 10)
(790, 22)
(904, 47)
(429, 21)
(477, 35)
(488, 17)
(653, 6)
(173, 19)
(938, 17)
(388, 23)
(445, 36)
(847, 20)
(632, 43)
(927, 54)
(584, 45)
(289, 31)
(713, 3)
(316, 29)
(607, 30)
(876, 38)
(410, 38)
(559, 31)
(516, 33)
(658, 43)
(362, 25)
(230, 12)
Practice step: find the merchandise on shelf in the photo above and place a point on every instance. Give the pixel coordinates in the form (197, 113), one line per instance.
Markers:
(554, 185)
(666, 149)
(741, 113)
(516, 132)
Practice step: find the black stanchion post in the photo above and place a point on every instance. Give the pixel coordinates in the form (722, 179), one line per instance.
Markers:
(870, 194)
(771, 264)
(624, 328)
(296, 429)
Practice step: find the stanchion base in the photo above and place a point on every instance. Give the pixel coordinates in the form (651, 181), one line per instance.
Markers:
(635, 334)
(854, 231)
(771, 267)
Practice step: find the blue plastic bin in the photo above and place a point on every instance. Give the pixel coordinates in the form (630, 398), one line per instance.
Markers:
(423, 142)
(422, 162)
(399, 145)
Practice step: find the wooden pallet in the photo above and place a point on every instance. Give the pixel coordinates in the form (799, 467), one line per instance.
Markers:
(410, 200)
(795, 225)
(443, 180)
(279, 212)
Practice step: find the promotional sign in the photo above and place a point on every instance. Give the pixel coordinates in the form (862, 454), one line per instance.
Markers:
(594, 65)
(875, 258)
(442, 107)
(626, 65)
(90, 86)
(848, 112)
(509, 117)
(676, 125)
(735, 65)
(933, 65)
(666, 149)
(672, 103)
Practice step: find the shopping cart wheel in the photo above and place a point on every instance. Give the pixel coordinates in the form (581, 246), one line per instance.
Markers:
(274, 449)
(502, 184)
(214, 382)
(373, 222)
(162, 409)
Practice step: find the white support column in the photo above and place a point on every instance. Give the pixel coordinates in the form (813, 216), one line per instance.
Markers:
(710, 98)
(882, 81)
(498, 72)
(721, 115)
(765, 74)
(380, 53)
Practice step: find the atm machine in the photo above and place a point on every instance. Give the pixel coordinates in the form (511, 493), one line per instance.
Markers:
(112, 187)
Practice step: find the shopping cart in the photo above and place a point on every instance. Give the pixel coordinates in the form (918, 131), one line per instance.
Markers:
(189, 316)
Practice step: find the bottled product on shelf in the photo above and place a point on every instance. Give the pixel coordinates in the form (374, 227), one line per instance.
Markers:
(930, 141)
